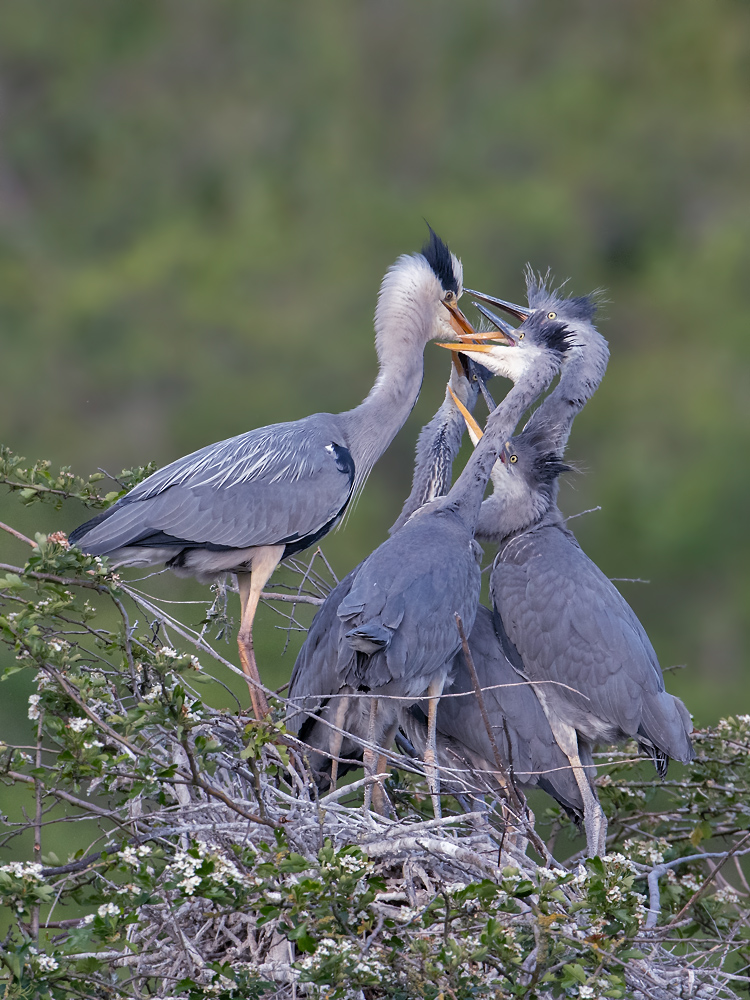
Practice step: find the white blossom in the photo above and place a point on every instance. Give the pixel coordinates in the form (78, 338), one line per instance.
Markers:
(34, 706)
(46, 963)
(109, 910)
(23, 869)
(78, 725)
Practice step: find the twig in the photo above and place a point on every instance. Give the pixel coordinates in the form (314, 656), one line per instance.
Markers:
(292, 598)
(38, 816)
(734, 852)
(655, 874)
(17, 534)
(65, 581)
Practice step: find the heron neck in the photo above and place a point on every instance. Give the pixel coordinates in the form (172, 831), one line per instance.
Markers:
(582, 371)
(437, 446)
(373, 424)
(507, 512)
(466, 495)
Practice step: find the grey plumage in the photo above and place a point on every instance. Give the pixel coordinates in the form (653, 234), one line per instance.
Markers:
(318, 696)
(254, 489)
(570, 624)
(400, 636)
(522, 734)
(559, 618)
(244, 504)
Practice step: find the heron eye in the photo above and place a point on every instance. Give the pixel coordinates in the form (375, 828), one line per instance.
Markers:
(513, 459)
(552, 315)
(449, 296)
(521, 336)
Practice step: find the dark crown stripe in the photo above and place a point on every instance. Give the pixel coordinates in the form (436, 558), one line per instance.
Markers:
(438, 256)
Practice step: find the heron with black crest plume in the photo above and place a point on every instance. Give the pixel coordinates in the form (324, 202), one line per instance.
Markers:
(244, 504)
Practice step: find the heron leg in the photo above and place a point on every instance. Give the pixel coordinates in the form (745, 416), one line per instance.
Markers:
(430, 751)
(594, 818)
(368, 755)
(337, 739)
(380, 796)
(265, 560)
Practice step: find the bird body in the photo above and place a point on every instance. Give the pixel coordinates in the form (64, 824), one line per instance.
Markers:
(320, 703)
(244, 504)
(522, 735)
(265, 479)
(401, 610)
(570, 624)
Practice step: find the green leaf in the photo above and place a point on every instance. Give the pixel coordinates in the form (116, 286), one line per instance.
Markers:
(576, 972)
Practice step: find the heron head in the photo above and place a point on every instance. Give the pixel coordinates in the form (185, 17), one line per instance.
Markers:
(576, 311)
(449, 272)
(540, 338)
(529, 456)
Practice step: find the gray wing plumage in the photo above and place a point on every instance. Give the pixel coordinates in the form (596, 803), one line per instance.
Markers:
(520, 728)
(399, 625)
(275, 484)
(570, 624)
(316, 690)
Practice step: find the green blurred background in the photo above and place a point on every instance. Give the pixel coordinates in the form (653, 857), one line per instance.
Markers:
(198, 202)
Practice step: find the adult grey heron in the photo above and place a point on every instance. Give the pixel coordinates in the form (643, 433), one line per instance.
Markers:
(244, 504)
(400, 633)
(559, 618)
(320, 708)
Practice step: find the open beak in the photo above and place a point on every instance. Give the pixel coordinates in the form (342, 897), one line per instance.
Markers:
(475, 431)
(496, 321)
(520, 312)
(462, 327)
(504, 339)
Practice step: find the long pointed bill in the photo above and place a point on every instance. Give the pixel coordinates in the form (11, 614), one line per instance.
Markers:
(467, 348)
(475, 431)
(497, 321)
(520, 312)
(462, 327)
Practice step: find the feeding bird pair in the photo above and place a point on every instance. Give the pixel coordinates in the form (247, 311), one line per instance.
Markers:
(244, 504)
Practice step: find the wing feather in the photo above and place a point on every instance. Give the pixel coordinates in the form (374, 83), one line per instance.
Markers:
(275, 485)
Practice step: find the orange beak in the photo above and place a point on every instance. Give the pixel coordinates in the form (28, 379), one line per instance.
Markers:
(463, 328)
(470, 421)
(468, 348)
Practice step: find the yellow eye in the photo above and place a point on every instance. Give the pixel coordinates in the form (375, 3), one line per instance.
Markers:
(449, 296)
(551, 315)
(521, 336)
(513, 459)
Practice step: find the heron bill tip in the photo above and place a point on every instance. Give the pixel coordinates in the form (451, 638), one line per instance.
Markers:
(473, 427)
(518, 311)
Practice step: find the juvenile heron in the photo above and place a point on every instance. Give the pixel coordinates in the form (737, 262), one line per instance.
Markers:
(320, 709)
(585, 360)
(559, 618)
(246, 503)
(400, 633)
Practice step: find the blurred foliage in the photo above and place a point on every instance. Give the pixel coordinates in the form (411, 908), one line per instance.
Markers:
(198, 201)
